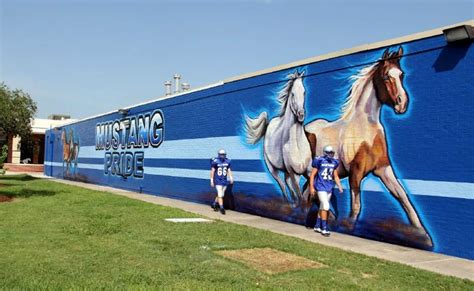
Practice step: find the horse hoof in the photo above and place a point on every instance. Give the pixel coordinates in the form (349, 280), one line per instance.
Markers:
(349, 224)
(427, 239)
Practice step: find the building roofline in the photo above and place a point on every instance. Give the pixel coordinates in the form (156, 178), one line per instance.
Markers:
(340, 53)
(356, 49)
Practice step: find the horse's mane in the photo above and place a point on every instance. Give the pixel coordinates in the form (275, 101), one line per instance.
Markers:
(359, 81)
(285, 92)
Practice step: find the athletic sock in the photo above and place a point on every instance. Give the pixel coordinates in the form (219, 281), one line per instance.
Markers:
(222, 206)
(324, 224)
(318, 223)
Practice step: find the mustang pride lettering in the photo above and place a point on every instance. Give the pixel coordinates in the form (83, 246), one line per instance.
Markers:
(121, 137)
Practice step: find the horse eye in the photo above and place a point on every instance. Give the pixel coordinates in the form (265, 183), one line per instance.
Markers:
(386, 78)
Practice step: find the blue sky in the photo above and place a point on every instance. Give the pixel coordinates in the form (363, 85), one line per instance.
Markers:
(87, 57)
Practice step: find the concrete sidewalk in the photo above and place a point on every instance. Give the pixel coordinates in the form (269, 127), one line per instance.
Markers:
(438, 263)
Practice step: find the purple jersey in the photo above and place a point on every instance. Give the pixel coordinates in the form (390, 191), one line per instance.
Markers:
(221, 166)
(325, 179)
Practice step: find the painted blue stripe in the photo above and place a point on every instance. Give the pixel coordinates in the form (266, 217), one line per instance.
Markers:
(414, 187)
(90, 160)
(205, 148)
(243, 176)
(200, 164)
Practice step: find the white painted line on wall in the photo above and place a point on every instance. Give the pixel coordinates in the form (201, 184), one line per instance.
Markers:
(427, 188)
(55, 164)
(79, 165)
(196, 148)
(250, 177)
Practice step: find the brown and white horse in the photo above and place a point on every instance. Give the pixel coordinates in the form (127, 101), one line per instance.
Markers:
(359, 136)
(70, 150)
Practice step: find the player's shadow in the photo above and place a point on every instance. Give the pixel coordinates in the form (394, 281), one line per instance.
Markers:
(229, 202)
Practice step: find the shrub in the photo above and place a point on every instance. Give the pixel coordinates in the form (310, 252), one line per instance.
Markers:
(3, 155)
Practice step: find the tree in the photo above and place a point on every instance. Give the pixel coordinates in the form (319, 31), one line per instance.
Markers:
(17, 110)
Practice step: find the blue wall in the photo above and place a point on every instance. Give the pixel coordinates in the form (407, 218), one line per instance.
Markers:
(429, 146)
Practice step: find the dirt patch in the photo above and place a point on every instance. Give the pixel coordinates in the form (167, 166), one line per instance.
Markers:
(4, 198)
(345, 271)
(368, 276)
(270, 261)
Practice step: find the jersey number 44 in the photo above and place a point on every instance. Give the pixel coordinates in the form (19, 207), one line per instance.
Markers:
(327, 173)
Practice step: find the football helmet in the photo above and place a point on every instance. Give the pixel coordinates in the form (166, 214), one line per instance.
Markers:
(221, 154)
(328, 151)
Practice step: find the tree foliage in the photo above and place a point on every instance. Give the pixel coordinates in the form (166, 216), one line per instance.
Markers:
(17, 109)
(3, 155)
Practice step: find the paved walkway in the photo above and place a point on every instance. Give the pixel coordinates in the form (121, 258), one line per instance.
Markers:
(438, 263)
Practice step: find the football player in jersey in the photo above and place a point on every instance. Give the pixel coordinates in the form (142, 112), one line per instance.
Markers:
(323, 177)
(220, 171)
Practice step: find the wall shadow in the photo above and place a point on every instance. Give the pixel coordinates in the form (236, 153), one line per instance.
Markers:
(11, 192)
(15, 187)
(18, 178)
(450, 56)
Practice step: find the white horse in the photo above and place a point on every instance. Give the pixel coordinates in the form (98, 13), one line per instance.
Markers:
(285, 147)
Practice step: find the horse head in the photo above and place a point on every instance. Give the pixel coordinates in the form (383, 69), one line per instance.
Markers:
(388, 81)
(71, 137)
(297, 96)
(63, 137)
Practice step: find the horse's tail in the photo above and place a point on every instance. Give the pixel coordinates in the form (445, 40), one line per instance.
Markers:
(256, 127)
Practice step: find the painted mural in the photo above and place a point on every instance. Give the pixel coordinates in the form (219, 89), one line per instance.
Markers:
(358, 136)
(70, 145)
(403, 144)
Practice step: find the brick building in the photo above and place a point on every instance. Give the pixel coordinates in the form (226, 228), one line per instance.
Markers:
(27, 159)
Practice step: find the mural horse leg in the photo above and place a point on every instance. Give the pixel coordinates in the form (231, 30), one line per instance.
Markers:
(66, 151)
(390, 181)
(76, 156)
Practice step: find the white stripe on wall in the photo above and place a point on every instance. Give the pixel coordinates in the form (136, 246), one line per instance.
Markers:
(197, 148)
(414, 187)
(428, 188)
(79, 165)
(250, 177)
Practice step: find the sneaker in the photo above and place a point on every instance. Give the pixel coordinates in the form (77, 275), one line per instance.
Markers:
(317, 229)
(325, 232)
(215, 206)
(222, 211)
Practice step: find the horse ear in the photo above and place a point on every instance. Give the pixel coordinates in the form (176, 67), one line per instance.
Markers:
(385, 54)
(291, 76)
(296, 74)
(400, 51)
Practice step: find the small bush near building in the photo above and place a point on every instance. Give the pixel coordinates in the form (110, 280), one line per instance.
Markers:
(3, 158)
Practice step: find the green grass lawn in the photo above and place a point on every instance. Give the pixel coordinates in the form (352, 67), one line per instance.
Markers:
(58, 236)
